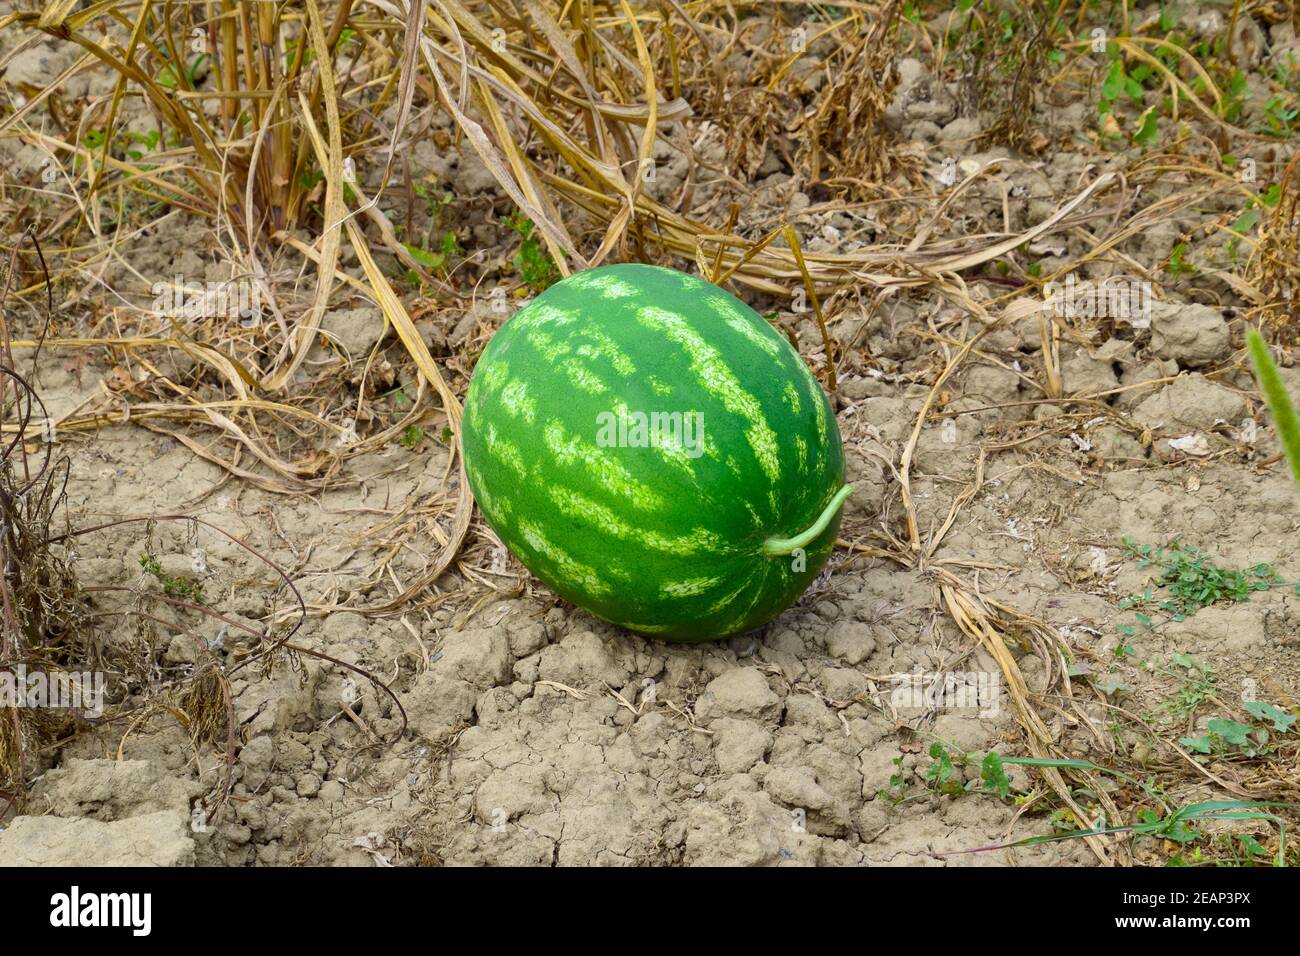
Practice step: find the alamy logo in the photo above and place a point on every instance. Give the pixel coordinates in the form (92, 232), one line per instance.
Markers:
(946, 690)
(232, 299)
(668, 430)
(82, 691)
(1117, 297)
(73, 909)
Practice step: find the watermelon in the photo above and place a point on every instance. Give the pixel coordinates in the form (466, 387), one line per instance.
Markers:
(655, 452)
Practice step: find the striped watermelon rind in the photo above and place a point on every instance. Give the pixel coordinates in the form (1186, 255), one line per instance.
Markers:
(679, 540)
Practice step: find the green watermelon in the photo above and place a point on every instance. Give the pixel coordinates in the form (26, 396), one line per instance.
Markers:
(653, 450)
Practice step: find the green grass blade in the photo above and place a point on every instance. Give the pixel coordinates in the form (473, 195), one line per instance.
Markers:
(1279, 403)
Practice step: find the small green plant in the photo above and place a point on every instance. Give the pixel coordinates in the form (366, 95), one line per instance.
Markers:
(1252, 212)
(1188, 581)
(1234, 96)
(1131, 85)
(1162, 821)
(168, 77)
(1148, 131)
(1282, 721)
(1229, 737)
(412, 436)
(172, 585)
(941, 770)
(1243, 224)
(1198, 682)
(1279, 116)
(123, 143)
(1242, 848)
(1177, 263)
(896, 793)
(534, 263)
(994, 775)
(437, 259)
(1119, 83)
(940, 776)
(439, 245)
(1279, 402)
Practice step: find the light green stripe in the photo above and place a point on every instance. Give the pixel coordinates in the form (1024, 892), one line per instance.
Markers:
(725, 601)
(792, 397)
(540, 313)
(818, 401)
(489, 504)
(505, 451)
(566, 570)
(492, 376)
(612, 287)
(609, 473)
(600, 345)
(548, 347)
(584, 378)
(646, 628)
(688, 588)
(573, 504)
(516, 400)
(746, 329)
(560, 353)
(715, 377)
(602, 283)
(759, 591)
(674, 455)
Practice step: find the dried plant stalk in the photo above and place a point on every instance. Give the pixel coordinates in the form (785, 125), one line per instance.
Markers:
(846, 133)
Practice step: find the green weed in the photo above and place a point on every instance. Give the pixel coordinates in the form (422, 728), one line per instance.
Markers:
(533, 262)
(439, 245)
(1256, 739)
(1198, 683)
(172, 586)
(1188, 581)
(412, 436)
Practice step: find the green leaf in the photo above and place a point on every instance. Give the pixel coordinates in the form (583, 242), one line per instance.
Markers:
(1146, 134)
(941, 764)
(1113, 85)
(1246, 221)
(1230, 731)
(422, 256)
(995, 776)
(412, 435)
(1251, 846)
(1279, 403)
(1282, 721)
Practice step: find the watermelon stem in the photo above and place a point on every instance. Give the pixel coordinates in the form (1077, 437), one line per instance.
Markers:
(781, 546)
